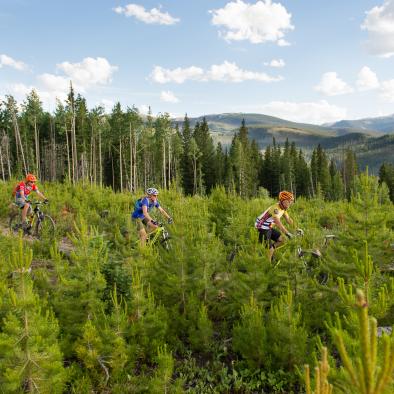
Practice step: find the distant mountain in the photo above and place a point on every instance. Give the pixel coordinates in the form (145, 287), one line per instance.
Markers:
(371, 146)
(384, 124)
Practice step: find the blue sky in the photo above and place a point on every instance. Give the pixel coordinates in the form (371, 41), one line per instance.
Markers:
(311, 61)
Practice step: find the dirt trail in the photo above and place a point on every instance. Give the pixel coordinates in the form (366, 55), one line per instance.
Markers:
(65, 245)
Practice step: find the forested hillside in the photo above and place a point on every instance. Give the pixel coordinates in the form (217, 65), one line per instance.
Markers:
(210, 315)
(128, 151)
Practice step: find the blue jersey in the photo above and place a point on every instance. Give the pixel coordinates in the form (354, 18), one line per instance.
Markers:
(138, 214)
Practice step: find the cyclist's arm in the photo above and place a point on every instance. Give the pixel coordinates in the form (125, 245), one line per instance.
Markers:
(280, 225)
(289, 220)
(41, 195)
(163, 212)
(146, 213)
(22, 194)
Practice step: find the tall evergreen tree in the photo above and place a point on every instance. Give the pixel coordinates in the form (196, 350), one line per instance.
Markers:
(186, 162)
(386, 175)
(205, 144)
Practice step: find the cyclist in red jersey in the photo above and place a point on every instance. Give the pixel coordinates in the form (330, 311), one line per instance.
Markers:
(22, 191)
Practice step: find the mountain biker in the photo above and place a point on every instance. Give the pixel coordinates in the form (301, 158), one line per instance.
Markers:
(21, 192)
(270, 218)
(144, 222)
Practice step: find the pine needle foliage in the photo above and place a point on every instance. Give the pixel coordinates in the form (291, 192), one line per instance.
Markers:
(30, 356)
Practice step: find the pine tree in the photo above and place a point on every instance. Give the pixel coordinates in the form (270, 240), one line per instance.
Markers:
(205, 144)
(186, 161)
(386, 175)
(30, 357)
(33, 116)
(81, 283)
(366, 373)
(250, 336)
(286, 335)
(349, 172)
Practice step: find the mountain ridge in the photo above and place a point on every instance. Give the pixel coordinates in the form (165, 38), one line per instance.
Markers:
(369, 145)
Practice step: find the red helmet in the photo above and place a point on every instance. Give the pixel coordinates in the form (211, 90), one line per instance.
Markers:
(284, 195)
(31, 178)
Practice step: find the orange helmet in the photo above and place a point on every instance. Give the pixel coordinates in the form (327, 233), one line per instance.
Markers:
(31, 178)
(284, 195)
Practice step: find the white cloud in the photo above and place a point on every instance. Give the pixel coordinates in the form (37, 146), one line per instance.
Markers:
(19, 90)
(332, 85)
(54, 83)
(10, 62)
(306, 112)
(387, 90)
(283, 43)
(379, 23)
(89, 72)
(168, 97)
(48, 97)
(151, 17)
(278, 63)
(177, 75)
(230, 72)
(261, 22)
(225, 72)
(367, 79)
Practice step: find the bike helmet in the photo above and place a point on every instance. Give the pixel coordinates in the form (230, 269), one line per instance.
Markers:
(31, 178)
(284, 195)
(152, 191)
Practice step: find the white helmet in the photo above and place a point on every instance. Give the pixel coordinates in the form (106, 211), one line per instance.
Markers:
(152, 191)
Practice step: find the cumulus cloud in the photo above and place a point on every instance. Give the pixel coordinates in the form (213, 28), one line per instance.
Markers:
(387, 90)
(367, 79)
(89, 72)
(225, 72)
(306, 112)
(230, 72)
(261, 22)
(84, 75)
(379, 23)
(331, 85)
(168, 97)
(177, 75)
(278, 63)
(19, 91)
(10, 62)
(54, 82)
(154, 16)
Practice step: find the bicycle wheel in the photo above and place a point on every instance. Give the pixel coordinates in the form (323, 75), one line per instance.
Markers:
(165, 241)
(15, 222)
(45, 227)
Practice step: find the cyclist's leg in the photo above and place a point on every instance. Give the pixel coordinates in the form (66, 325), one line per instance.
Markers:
(141, 231)
(265, 236)
(277, 240)
(150, 227)
(25, 207)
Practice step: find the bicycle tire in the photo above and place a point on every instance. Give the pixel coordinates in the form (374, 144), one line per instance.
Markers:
(165, 241)
(45, 227)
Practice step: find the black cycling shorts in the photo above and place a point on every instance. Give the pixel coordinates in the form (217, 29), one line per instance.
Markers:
(269, 235)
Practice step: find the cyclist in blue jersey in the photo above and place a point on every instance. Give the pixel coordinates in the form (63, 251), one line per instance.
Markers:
(144, 223)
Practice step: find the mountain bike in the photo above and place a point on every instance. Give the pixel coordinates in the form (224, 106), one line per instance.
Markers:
(312, 266)
(159, 236)
(38, 224)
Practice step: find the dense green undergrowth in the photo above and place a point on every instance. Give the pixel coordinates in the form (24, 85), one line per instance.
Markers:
(109, 317)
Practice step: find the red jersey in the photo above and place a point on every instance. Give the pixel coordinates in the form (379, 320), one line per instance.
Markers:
(25, 188)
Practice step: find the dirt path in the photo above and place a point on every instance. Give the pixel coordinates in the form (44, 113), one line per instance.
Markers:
(65, 245)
